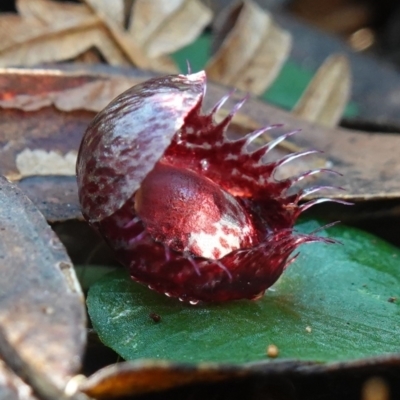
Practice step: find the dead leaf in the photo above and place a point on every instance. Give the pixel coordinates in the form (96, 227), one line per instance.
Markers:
(46, 31)
(114, 11)
(341, 18)
(42, 162)
(326, 96)
(156, 28)
(49, 130)
(135, 378)
(13, 387)
(252, 51)
(104, 12)
(82, 93)
(42, 313)
(161, 27)
(42, 385)
(56, 197)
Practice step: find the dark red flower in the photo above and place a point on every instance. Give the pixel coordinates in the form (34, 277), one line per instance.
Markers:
(191, 213)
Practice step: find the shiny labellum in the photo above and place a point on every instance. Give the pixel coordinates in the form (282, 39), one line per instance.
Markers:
(191, 213)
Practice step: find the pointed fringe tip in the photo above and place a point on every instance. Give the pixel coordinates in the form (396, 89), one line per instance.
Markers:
(306, 192)
(239, 105)
(294, 156)
(323, 227)
(280, 139)
(250, 137)
(221, 102)
(306, 174)
(312, 203)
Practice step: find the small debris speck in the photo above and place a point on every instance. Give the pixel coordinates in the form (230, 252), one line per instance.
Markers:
(155, 317)
(48, 310)
(272, 351)
(392, 299)
(308, 329)
(375, 389)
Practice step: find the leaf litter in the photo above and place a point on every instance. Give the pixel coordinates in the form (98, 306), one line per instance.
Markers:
(39, 109)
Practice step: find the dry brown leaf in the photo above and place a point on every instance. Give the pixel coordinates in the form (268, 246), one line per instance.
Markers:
(252, 52)
(127, 379)
(326, 96)
(42, 162)
(12, 387)
(131, 47)
(39, 381)
(42, 313)
(135, 378)
(161, 27)
(46, 31)
(104, 12)
(115, 10)
(93, 96)
(56, 197)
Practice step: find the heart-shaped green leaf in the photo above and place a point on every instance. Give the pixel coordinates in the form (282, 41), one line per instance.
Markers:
(335, 303)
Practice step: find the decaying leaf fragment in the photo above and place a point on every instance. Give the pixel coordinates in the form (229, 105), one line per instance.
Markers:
(136, 378)
(134, 53)
(42, 313)
(47, 31)
(12, 387)
(161, 27)
(326, 96)
(66, 91)
(41, 162)
(252, 49)
(56, 197)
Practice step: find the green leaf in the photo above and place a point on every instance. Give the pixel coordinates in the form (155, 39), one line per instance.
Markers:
(339, 292)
